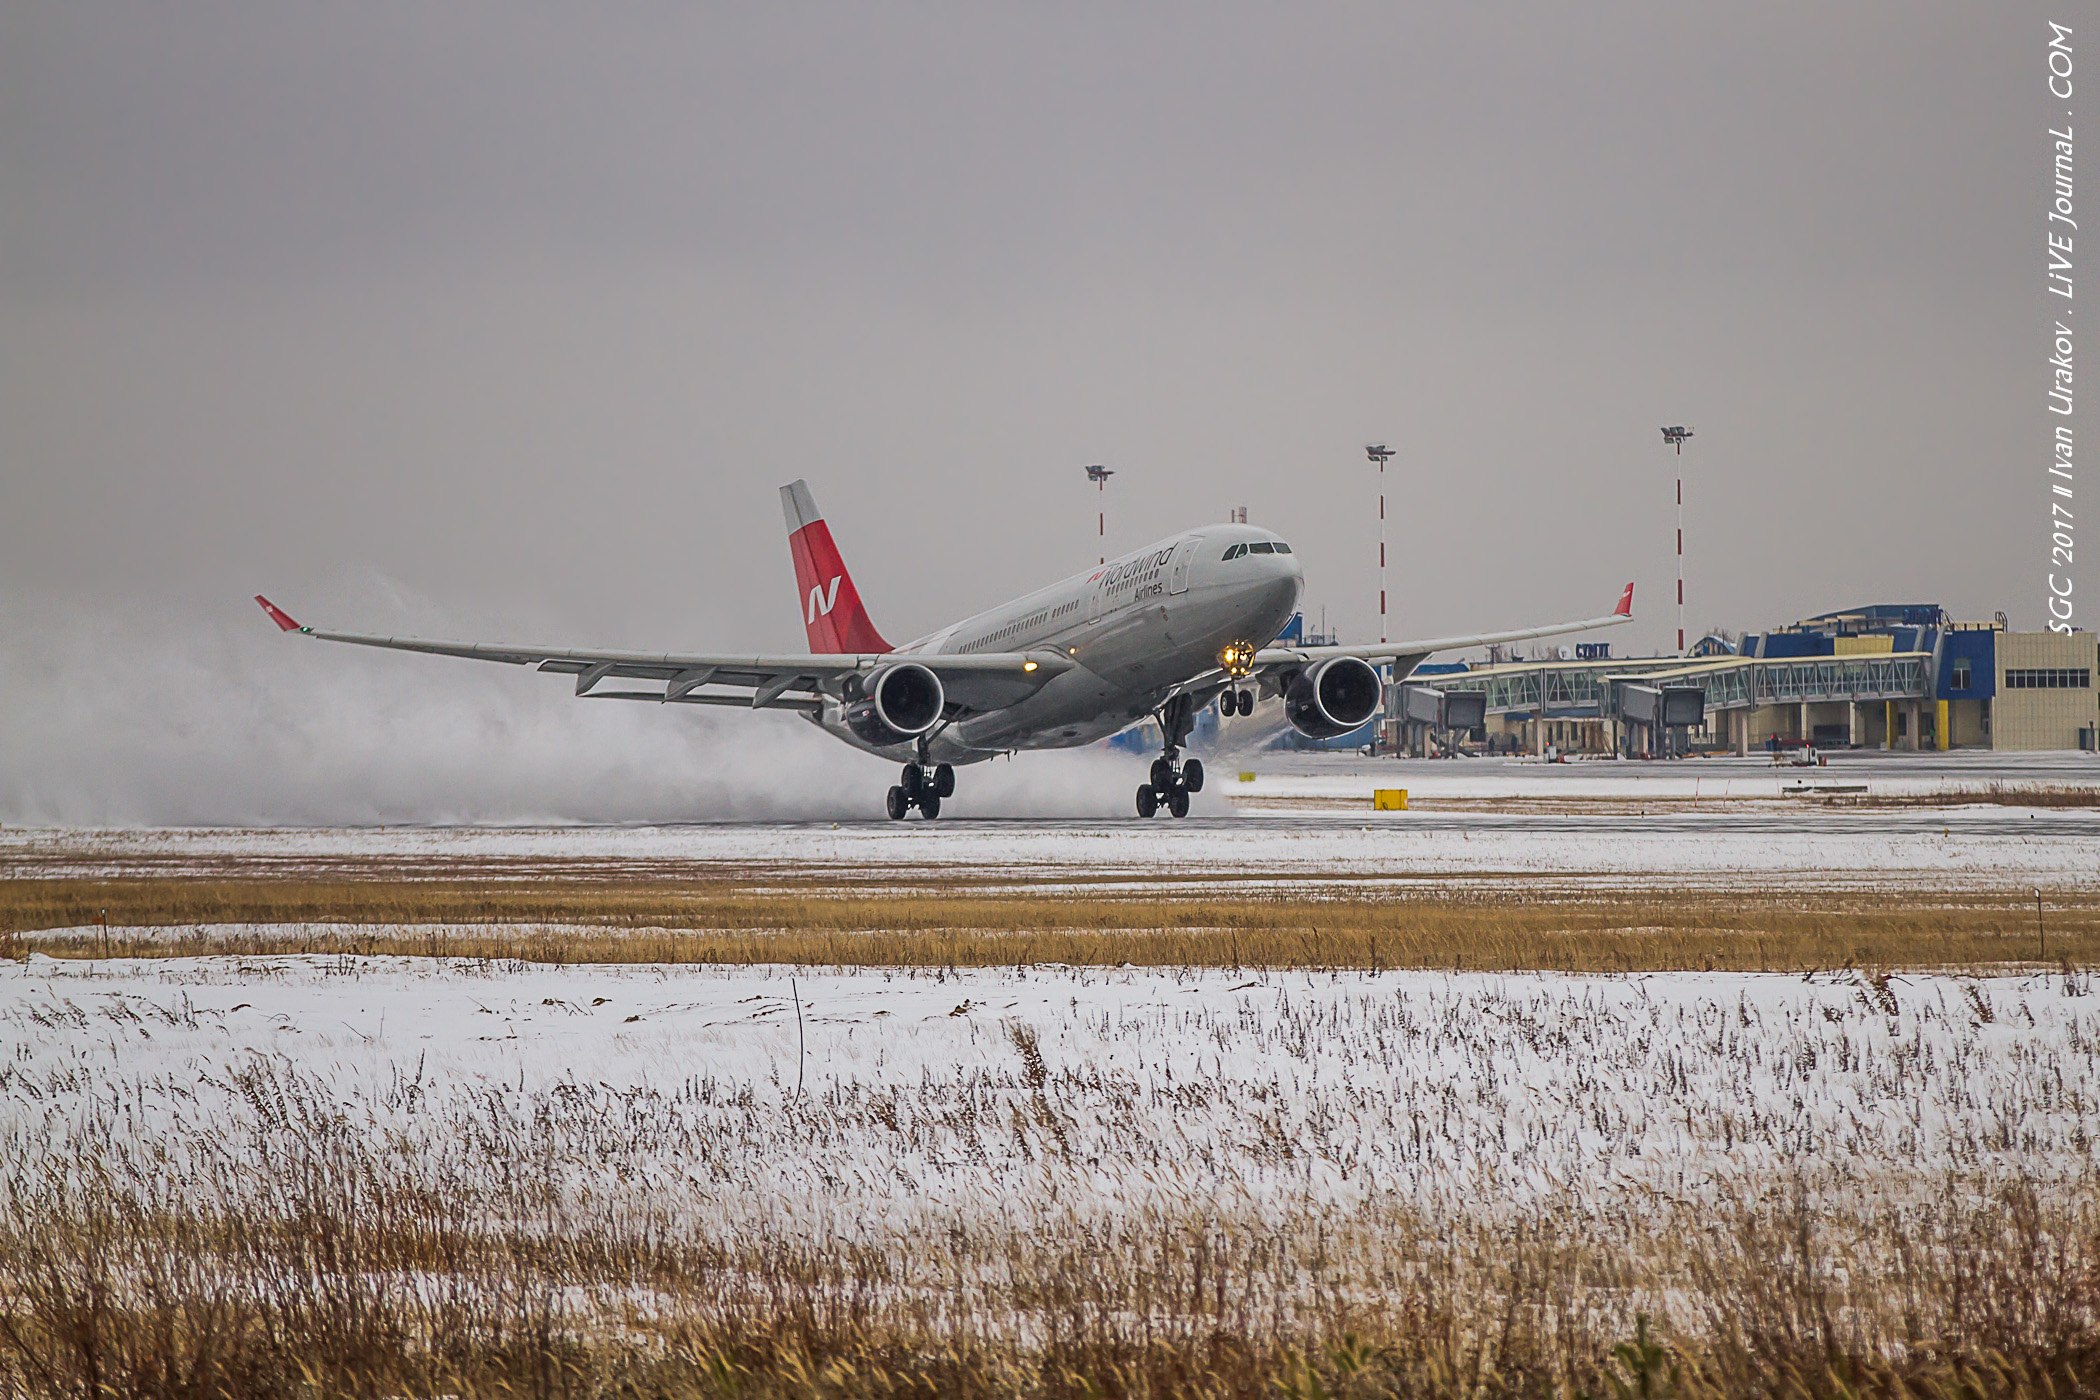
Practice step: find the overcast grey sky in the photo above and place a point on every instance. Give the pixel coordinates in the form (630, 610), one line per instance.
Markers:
(508, 320)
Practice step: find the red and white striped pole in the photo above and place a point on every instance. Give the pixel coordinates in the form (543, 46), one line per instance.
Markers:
(1099, 475)
(1675, 438)
(1680, 566)
(1381, 454)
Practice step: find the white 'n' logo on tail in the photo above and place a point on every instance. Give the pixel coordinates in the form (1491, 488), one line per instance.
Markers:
(820, 600)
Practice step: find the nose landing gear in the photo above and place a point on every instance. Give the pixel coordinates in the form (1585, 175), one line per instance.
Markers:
(1172, 780)
(923, 787)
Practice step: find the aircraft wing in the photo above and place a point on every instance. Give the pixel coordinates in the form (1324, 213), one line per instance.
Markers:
(1409, 654)
(787, 680)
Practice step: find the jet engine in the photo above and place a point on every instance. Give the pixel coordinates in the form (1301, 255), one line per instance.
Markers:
(895, 704)
(1332, 697)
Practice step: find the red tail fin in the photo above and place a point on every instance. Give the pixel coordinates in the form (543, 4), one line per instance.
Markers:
(831, 606)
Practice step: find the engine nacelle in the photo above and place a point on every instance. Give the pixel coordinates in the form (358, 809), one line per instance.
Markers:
(895, 704)
(1332, 697)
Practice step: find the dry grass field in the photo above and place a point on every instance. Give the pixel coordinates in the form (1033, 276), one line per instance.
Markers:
(756, 1128)
(329, 1262)
(1178, 1185)
(1524, 923)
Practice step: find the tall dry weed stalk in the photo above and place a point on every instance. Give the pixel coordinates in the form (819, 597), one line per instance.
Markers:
(530, 1242)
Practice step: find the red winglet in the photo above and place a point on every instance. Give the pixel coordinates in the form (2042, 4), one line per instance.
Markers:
(277, 615)
(1625, 608)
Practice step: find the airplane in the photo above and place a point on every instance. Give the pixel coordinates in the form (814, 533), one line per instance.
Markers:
(1158, 633)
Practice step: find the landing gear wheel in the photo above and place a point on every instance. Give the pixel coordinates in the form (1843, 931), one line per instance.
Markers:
(899, 804)
(930, 804)
(1246, 702)
(914, 781)
(944, 780)
(1229, 703)
(1171, 779)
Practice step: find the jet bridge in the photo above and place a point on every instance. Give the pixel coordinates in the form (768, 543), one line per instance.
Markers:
(1659, 717)
(1425, 711)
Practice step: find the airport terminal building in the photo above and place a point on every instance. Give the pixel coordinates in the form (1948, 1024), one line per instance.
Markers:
(1891, 675)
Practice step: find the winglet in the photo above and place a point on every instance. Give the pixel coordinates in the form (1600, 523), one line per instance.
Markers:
(278, 615)
(1625, 608)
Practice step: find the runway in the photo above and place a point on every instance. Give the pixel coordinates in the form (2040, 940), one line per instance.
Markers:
(1301, 824)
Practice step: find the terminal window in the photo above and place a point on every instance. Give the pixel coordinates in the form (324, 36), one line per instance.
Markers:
(2049, 678)
(1961, 674)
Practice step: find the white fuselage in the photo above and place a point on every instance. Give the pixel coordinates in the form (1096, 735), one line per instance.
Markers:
(1138, 626)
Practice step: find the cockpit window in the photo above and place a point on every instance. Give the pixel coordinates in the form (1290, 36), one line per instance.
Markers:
(1261, 547)
(1282, 548)
(1231, 552)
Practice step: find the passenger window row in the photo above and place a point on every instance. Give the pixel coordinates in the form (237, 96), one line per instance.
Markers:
(1006, 633)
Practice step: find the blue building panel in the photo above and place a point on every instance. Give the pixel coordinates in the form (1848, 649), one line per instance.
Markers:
(1788, 646)
(1971, 657)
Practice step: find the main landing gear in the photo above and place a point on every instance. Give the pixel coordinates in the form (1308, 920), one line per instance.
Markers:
(923, 787)
(1172, 781)
(1236, 702)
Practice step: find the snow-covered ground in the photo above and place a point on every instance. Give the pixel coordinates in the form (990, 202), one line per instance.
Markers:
(897, 1102)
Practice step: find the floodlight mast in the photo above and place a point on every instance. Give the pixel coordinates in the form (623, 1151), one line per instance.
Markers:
(1676, 437)
(1381, 454)
(1099, 475)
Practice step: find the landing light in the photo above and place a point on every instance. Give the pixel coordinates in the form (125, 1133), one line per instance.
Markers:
(1236, 659)
(1028, 665)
